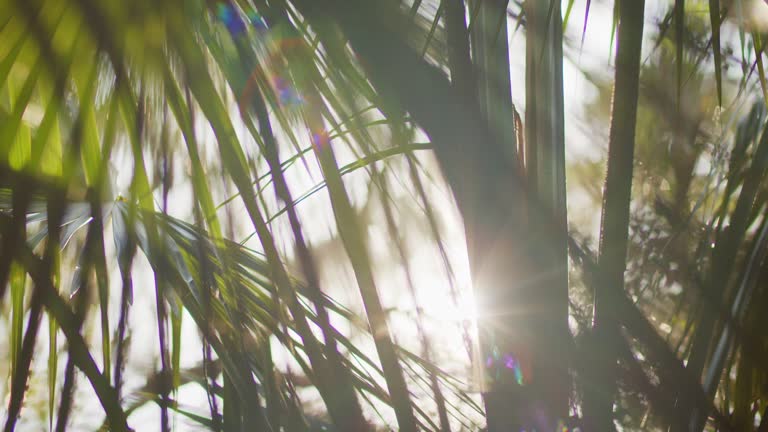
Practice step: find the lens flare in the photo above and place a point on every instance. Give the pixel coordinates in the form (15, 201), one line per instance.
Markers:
(286, 92)
(320, 139)
(256, 20)
(229, 16)
(506, 363)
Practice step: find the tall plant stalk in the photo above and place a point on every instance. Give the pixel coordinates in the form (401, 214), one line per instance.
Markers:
(545, 175)
(600, 385)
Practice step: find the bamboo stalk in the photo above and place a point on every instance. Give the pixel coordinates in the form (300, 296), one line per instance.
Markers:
(601, 385)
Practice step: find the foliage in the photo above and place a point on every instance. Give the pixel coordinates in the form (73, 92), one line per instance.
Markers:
(172, 149)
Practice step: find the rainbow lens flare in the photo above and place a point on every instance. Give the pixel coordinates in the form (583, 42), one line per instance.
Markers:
(320, 139)
(256, 20)
(286, 92)
(229, 16)
(498, 363)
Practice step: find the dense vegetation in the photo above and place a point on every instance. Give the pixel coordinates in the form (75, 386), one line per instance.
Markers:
(214, 170)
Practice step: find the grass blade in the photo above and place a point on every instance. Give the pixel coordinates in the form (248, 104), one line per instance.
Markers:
(18, 282)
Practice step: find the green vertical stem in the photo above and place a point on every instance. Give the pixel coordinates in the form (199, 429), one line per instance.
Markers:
(125, 250)
(100, 267)
(679, 34)
(600, 387)
(490, 55)
(459, 60)
(17, 282)
(714, 18)
(463, 81)
(757, 40)
(161, 300)
(162, 333)
(176, 319)
(545, 175)
(679, 133)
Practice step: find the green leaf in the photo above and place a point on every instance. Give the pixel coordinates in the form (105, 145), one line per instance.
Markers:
(15, 134)
(18, 281)
(176, 347)
(567, 13)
